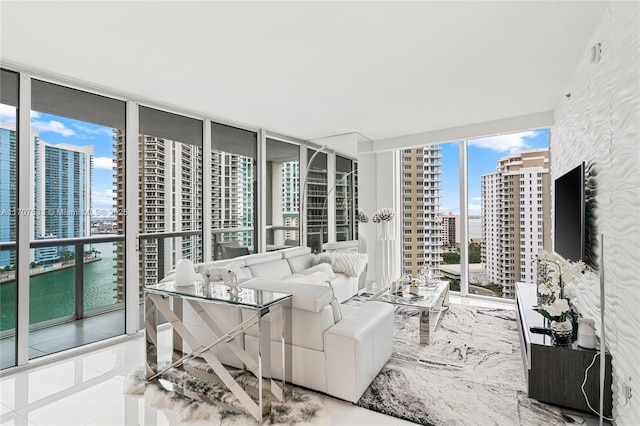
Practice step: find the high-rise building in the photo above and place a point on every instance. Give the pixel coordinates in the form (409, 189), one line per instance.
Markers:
(422, 227)
(450, 230)
(232, 198)
(170, 197)
(8, 190)
(62, 194)
(290, 204)
(516, 210)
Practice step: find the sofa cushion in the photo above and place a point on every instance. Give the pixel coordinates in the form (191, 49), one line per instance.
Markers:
(350, 264)
(345, 287)
(254, 259)
(305, 329)
(300, 263)
(317, 277)
(274, 270)
(294, 252)
(308, 297)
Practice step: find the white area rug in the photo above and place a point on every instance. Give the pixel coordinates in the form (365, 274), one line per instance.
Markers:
(471, 374)
(304, 408)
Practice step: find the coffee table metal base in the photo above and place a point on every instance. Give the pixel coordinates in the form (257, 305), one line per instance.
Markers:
(432, 305)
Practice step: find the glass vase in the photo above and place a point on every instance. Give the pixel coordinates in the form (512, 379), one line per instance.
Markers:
(562, 332)
(385, 257)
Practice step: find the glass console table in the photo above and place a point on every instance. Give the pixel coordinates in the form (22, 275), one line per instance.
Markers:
(432, 301)
(261, 302)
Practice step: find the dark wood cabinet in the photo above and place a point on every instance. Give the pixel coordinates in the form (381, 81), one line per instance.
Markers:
(555, 374)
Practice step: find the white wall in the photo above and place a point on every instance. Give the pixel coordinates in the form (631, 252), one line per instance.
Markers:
(378, 186)
(599, 124)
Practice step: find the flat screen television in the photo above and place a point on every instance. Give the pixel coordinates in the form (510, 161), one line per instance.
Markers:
(569, 214)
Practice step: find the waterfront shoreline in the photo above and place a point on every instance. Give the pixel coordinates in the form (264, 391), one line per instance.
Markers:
(37, 271)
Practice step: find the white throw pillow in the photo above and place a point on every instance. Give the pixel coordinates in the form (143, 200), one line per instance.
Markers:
(321, 267)
(352, 265)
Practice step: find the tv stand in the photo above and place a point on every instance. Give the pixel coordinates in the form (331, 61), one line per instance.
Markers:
(555, 374)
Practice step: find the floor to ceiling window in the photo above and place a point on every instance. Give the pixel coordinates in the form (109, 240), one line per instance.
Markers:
(233, 191)
(509, 190)
(8, 204)
(508, 211)
(75, 199)
(344, 190)
(283, 194)
(170, 158)
(430, 198)
(316, 199)
(72, 165)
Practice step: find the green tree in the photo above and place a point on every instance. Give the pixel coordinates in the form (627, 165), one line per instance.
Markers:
(66, 256)
(449, 258)
(475, 253)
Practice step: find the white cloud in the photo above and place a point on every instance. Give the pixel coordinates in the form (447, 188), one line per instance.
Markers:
(511, 143)
(454, 210)
(102, 200)
(52, 126)
(106, 163)
(474, 209)
(97, 131)
(7, 113)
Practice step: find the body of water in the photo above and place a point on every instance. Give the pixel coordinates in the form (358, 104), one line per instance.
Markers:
(52, 295)
(475, 227)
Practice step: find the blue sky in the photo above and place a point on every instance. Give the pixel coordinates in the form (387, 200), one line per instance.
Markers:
(483, 155)
(54, 129)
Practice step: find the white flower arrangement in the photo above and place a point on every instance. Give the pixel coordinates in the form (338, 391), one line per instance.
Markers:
(384, 214)
(556, 273)
(361, 216)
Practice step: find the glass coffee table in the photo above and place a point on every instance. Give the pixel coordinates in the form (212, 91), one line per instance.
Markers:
(432, 302)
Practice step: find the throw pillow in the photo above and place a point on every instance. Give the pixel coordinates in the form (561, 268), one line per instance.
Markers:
(352, 265)
(322, 267)
(323, 258)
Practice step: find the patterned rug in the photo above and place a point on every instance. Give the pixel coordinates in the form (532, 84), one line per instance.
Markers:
(470, 374)
(303, 407)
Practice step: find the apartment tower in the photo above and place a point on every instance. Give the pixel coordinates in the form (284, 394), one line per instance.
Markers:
(8, 190)
(450, 230)
(62, 194)
(422, 227)
(516, 208)
(170, 197)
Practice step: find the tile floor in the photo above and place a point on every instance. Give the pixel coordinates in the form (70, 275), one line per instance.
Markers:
(85, 388)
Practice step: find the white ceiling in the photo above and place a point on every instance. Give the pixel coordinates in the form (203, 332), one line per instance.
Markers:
(314, 69)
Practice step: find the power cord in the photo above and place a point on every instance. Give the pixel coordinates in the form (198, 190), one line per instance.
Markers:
(586, 398)
(572, 418)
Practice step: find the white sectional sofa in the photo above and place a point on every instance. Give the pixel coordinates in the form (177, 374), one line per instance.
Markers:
(336, 350)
